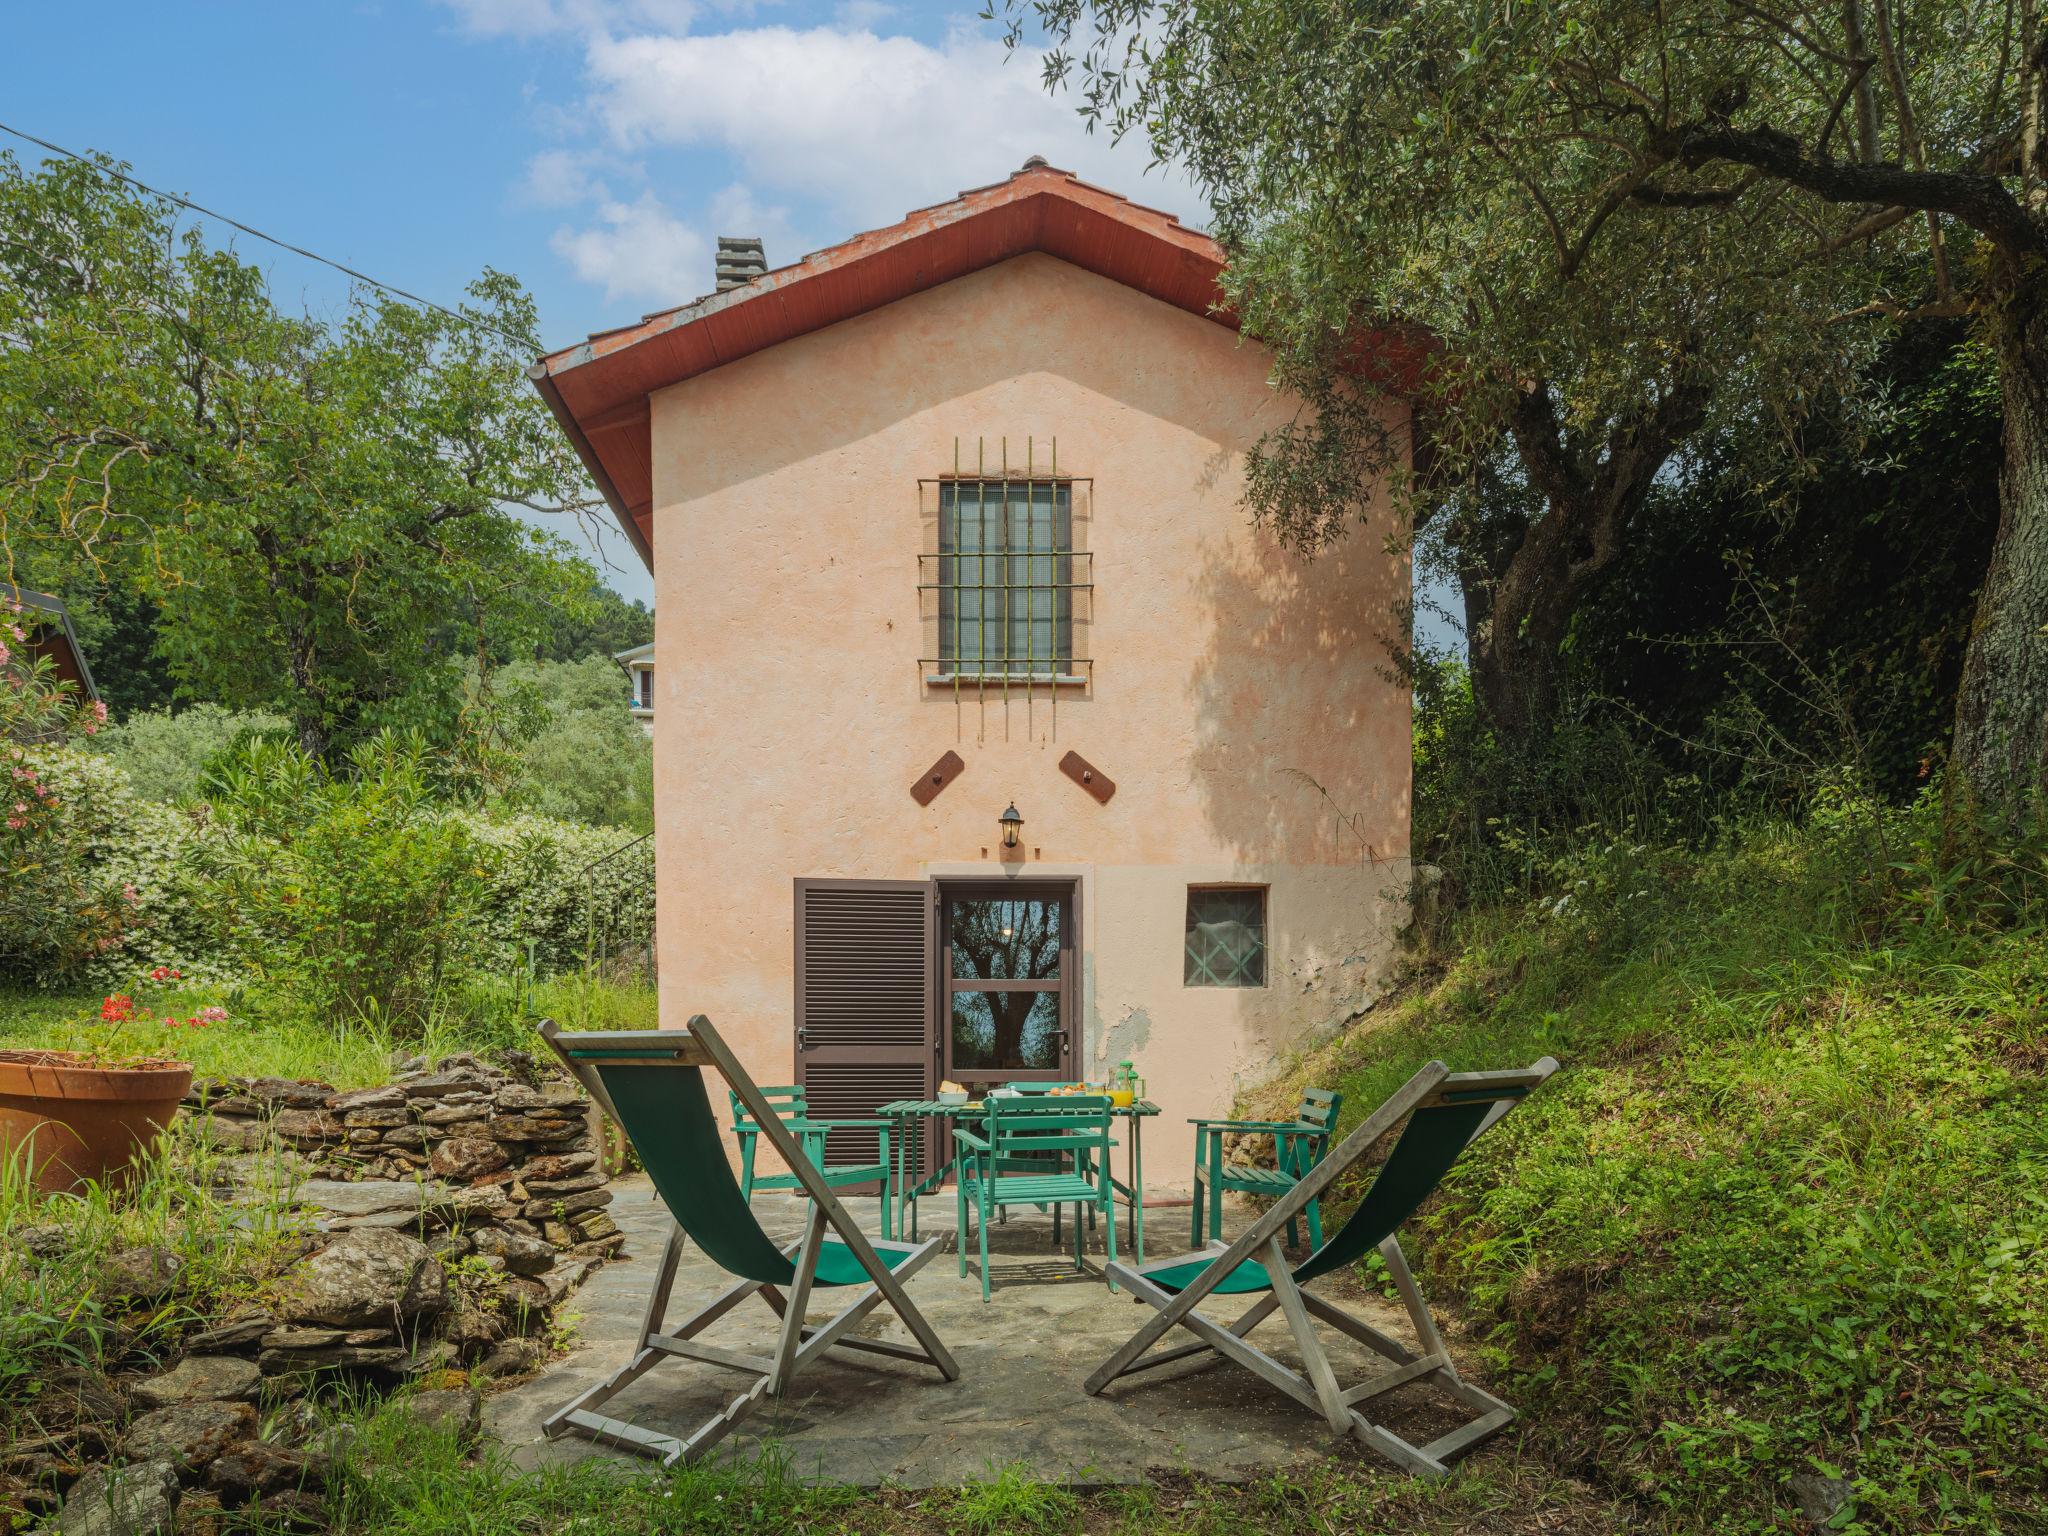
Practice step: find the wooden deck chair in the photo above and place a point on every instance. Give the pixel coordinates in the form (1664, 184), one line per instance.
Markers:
(1446, 1113)
(651, 1083)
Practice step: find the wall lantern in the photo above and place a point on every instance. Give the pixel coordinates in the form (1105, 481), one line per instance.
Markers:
(1012, 824)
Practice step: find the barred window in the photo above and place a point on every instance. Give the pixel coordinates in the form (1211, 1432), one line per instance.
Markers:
(1006, 578)
(1226, 937)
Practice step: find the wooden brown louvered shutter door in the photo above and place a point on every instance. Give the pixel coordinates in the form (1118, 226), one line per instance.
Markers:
(864, 1027)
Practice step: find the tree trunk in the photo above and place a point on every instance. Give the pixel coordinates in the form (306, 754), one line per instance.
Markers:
(2001, 736)
(1515, 662)
(1590, 501)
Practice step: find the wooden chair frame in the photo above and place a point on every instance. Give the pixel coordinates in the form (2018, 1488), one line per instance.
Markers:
(1317, 1386)
(798, 1343)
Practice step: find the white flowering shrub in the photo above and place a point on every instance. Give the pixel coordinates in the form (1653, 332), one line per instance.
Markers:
(106, 884)
(576, 891)
(166, 755)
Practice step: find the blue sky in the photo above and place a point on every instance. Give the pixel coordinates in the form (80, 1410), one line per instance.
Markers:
(595, 148)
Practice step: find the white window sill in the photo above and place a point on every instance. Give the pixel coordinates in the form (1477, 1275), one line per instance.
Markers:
(1000, 679)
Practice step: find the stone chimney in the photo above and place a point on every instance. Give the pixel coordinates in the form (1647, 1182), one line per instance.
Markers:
(740, 260)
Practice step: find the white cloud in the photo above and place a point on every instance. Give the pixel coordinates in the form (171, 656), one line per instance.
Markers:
(560, 178)
(858, 14)
(638, 250)
(538, 18)
(737, 211)
(868, 126)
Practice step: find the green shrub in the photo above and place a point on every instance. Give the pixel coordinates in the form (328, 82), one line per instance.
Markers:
(371, 889)
(93, 891)
(578, 754)
(577, 892)
(357, 893)
(166, 755)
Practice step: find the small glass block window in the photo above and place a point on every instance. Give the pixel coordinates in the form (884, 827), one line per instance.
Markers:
(1226, 941)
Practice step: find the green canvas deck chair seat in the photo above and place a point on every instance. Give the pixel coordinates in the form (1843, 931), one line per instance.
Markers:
(1298, 1145)
(1062, 1144)
(651, 1082)
(1445, 1113)
(792, 1108)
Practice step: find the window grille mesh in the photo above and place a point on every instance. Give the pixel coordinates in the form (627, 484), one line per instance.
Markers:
(1005, 575)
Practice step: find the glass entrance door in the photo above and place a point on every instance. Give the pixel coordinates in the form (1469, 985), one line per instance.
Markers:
(1007, 974)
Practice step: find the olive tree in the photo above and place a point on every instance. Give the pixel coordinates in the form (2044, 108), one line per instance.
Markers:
(1615, 220)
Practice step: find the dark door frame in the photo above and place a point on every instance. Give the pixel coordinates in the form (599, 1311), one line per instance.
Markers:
(1066, 890)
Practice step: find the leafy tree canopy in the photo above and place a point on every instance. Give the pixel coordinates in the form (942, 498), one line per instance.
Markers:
(607, 625)
(307, 503)
(1618, 221)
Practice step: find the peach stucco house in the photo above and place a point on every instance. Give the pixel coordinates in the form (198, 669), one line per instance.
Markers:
(945, 523)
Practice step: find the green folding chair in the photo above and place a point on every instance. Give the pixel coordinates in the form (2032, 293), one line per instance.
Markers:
(792, 1108)
(1446, 1112)
(651, 1083)
(1298, 1145)
(1043, 1135)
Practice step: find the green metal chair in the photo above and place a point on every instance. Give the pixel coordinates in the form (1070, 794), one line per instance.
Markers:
(651, 1083)
(1445, 1113)
(1298, 1145)
(1030, 1132)
(793, 1110)
(1036, 1089)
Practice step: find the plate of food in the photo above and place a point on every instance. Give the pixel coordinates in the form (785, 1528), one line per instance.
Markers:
(951, 1092)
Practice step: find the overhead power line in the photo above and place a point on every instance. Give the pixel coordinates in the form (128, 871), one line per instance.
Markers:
(530, 343)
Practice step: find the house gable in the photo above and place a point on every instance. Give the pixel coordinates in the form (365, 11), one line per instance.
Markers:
(599, 388)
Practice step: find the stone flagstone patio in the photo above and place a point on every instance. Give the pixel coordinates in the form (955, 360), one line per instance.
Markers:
(1023, 1356)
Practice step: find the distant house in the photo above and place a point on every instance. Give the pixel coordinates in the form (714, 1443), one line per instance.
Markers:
(1015, 749)
(639, 665)
(48, 625)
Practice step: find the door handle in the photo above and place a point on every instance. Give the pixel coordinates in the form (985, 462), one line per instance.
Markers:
(803, 1038)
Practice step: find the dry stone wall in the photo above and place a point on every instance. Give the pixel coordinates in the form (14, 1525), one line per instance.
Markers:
(440, 1221)
(506, 1150)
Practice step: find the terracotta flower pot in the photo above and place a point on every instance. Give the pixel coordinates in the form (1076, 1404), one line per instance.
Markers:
(82, 1120)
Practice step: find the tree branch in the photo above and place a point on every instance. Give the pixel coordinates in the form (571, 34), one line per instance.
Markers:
(1979, 201)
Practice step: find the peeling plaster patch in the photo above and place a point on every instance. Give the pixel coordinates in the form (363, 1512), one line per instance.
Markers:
(1126, 1039)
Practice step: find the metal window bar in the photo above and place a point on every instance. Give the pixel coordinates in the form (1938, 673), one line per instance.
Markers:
(1042, 561)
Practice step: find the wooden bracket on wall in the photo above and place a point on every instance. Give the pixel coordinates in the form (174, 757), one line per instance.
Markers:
(936, 778)
(1088, 776)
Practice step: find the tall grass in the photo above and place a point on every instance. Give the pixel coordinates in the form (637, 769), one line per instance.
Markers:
(56, 1309)
(1786, 1210)
(579, 1000)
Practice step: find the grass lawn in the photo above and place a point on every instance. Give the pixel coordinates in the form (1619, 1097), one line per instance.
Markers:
(407, 1481)
(266, 1036)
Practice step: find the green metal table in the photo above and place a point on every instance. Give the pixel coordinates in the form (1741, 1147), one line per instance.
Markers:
(909, 1113)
